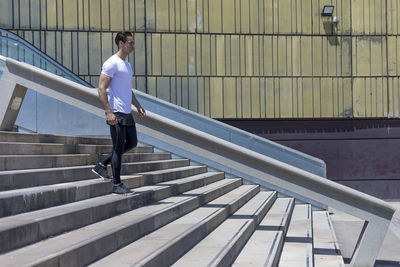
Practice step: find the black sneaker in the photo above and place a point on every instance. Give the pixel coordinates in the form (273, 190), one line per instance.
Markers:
(121, 189)
(102, 172)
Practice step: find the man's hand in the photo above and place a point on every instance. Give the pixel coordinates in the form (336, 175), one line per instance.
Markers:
(141, 111)
(111, 119)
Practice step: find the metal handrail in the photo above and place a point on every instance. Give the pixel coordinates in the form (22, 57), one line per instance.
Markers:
(376, 213)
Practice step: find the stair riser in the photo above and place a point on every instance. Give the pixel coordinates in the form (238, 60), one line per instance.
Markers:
(43, 138)
(20, 180)
(8, 163)
(59, 149)
(45, 199)
(41, 229)
(175, 250)
(94, 250)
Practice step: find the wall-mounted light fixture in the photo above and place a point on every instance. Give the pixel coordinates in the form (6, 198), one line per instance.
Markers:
(328, 11)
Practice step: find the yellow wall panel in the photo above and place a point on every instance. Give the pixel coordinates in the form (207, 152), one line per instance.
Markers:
(244, 16)
(254, 19)
(71, 15)
(228, 16)
(181, 54)
(326, 98)
(358, 14)
(51, 9)
(394, 96)
(359, 97)
(282, 56)
(192, 94)
(139, 15)
(285, 98)
(139, 54)
(316, 97)
(107, 47)
(192, 55)
(262, 98)
(168, 54)
(306, 56)
(156, 54)
(192, 16)
(235, 58)
(296, 55)
(95, 14)
(150, 15)
(317, 56)
(246, 98)
(116, 19)
(392, 55)
(249, 55)
(83, 53)
(215, 13)
(162, 18)
(378, 68)
(183, 16)
(206, 54)
(298, 87)
(6, 21)
(229, 98)
(267, 54)
(201, 96)
(256, 56)
(268, 16)
(255, 97)
(269, 98)
(213, 52)
(220, 40)
(216, 101)
(95, 50)
(163, 88)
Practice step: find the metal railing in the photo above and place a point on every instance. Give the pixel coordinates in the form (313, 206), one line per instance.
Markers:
(264, 170)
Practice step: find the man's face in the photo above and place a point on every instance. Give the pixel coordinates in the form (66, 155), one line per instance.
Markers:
(129, 45)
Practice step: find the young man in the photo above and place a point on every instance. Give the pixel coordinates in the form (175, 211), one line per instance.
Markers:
(116, 74)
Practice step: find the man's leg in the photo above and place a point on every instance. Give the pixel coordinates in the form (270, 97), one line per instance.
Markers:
(118, 133)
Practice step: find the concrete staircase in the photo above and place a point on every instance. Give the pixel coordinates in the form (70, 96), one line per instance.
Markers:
(54, 211)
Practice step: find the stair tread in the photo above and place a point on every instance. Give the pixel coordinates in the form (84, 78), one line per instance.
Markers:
(326, 247)
(55, 246)
(214, 247)
(265, 244)
(297, 247)
(144, 249)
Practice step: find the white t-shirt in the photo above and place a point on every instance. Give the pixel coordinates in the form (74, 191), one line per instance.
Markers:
(120, 87)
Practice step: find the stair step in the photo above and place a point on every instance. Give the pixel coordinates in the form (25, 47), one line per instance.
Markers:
(18, 162)
(17, 179)
(89, 243)
(28, 199)
(265, 245)
(47, 138)
(326, 246)
(297, 249)
(164, 246)
(14, 148)
(222, 245)
(23, 229)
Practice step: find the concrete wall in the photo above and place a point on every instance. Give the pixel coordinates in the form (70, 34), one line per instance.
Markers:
(362, 154)
(232, 58)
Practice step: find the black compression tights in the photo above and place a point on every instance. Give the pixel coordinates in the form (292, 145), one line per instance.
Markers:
(124, 138)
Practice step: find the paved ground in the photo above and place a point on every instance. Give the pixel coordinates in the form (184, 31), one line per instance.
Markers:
(348, 229)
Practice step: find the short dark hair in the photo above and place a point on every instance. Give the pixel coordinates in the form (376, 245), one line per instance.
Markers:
(121, 36)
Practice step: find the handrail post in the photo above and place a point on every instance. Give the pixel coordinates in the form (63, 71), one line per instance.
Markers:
(367, 250)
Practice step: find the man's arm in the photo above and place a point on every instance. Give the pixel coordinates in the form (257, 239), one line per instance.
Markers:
(104, 82)
(136, 103)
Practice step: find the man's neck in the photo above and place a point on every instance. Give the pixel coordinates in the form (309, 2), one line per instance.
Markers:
(122, 55)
